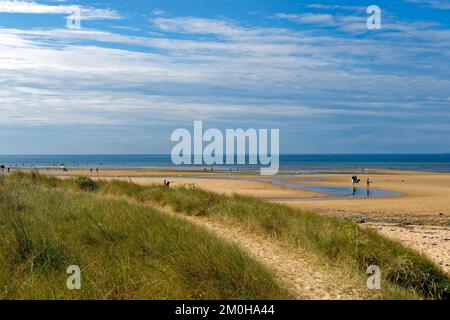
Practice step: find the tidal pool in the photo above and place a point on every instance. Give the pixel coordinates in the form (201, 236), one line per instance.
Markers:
(333, 192)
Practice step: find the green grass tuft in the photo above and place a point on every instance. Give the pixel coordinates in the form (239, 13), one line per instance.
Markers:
(125, 250)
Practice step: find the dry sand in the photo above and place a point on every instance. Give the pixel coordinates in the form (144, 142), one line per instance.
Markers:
(229, 187)
(433, 241)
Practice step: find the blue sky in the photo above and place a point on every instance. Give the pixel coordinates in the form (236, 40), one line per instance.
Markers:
(139, 69)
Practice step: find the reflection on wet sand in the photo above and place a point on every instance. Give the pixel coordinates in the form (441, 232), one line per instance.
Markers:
(330, 192)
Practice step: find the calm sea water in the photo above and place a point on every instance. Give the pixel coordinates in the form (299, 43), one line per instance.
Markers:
(288, 163)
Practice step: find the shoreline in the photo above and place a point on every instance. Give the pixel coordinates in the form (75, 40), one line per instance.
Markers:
(331, 170)
(218, 170)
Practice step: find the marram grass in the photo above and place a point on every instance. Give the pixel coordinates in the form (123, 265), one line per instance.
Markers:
(341, 243)
(125, 250)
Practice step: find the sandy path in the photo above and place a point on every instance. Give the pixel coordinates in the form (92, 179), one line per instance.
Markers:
(302, 274)
(433, 241)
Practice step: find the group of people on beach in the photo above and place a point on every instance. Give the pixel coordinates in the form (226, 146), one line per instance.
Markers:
(356, 180)
(3, 167)
(63, 168)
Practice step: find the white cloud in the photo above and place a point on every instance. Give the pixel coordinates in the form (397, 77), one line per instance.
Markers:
(347, 23)
(31, 7)
(308, 18)
(336, 7)
(437, 4)
(244, 74)
(196, 26)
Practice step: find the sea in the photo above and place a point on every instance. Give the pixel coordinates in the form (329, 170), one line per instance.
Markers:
(289, 163)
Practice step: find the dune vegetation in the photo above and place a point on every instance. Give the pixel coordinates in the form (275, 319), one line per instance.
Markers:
(109, 211)
(125, 250)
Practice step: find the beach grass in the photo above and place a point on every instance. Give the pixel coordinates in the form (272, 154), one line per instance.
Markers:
(125, 250)
(340, 243)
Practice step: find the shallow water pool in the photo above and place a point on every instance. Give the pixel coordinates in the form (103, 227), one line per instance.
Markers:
(334, 192)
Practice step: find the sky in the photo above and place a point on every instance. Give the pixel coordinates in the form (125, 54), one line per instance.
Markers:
(137, 70)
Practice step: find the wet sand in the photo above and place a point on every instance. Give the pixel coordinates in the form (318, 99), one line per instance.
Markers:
(425, 198)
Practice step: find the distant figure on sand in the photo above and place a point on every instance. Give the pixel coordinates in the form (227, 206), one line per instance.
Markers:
(91, 170)
(355, 179)
(368, 183)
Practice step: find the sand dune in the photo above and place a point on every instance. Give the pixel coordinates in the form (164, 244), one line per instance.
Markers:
(419, 218)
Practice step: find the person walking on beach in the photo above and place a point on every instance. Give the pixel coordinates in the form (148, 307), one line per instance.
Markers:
(368, 183)
(355, 179)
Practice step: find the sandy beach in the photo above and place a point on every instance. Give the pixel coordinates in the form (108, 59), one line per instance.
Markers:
(424, 197)
(419, 217)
